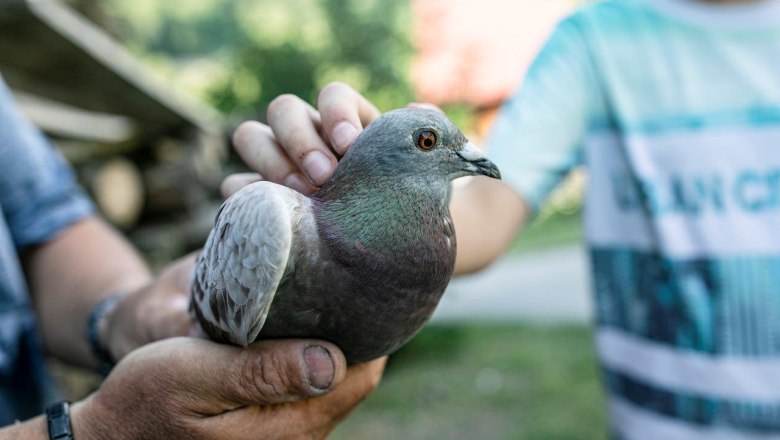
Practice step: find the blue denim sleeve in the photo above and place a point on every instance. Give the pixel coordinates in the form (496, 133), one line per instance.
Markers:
(38, 192)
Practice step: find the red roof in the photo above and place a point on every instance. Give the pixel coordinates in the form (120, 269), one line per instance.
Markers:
(476, 51)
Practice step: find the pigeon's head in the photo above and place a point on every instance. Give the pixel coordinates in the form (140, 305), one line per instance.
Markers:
(417, 142)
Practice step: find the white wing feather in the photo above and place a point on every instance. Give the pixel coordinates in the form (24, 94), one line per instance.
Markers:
(243, 261)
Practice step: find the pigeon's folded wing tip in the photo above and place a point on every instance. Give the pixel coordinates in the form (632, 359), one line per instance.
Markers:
(244, 260)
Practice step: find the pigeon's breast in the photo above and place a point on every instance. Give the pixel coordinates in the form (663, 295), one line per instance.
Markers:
(367, 300)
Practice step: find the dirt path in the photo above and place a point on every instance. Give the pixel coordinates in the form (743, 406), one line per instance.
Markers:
(552, 286)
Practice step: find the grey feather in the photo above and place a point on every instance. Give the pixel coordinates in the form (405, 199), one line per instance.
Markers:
(244, 260)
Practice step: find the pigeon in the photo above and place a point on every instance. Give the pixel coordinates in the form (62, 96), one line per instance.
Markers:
(362, 262)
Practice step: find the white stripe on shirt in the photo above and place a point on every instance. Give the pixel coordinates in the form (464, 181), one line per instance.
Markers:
(731, 176)
(634, 423)
(681, 371)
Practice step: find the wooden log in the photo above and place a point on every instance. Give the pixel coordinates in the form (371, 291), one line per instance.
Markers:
(49, 48)
(118, 190)
(67, 121)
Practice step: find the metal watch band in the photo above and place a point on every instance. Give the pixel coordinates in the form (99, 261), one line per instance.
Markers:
(58, 419)
(105, 361)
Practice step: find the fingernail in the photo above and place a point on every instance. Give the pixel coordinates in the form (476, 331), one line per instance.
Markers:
(296, 182)
(319, 367)
(343, 135)
(318, 167)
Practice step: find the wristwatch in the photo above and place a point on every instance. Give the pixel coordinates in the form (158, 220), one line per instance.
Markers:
(58, 419)
(99, 313)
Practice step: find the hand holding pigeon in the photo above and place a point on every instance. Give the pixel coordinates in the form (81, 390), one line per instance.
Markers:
(362, 262)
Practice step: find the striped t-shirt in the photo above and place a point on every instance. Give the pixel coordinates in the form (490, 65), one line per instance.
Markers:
(674, 108)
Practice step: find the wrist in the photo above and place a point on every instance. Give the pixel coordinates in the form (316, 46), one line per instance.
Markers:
(84, 422)
(99, 325)
(33, 429)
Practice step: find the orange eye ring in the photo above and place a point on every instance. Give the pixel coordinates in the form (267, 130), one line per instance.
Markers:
(426, 140)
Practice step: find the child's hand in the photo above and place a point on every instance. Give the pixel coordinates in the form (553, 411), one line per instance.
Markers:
(301, 145)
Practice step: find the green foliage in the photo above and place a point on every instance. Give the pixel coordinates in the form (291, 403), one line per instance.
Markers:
(240, 54)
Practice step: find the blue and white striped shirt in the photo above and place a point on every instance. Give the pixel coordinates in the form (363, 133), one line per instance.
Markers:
(674, 107)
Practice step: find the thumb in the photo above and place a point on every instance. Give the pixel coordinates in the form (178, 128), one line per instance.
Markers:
(267, 372)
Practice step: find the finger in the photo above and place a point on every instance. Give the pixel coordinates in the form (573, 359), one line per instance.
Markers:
(166, 308)
(296, 127)
(235, 182)
(221, 377)
(344, 113)
(425, 105)
(257, 146)
(180, 324)
(174, 321)
(196, 331)
(359, 382)
(181, 269)
(312, 418)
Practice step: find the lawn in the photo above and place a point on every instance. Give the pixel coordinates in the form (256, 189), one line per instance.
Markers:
(486, 382)
(556, 230)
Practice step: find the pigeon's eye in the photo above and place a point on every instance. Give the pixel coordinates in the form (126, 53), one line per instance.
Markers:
(426, 140)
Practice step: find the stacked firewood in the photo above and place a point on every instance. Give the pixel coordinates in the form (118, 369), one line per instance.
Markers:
(149, 155)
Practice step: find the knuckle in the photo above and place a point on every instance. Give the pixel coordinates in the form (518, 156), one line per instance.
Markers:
(373, 381)
(267, 380)
(258, 380)
(298, 145)
(369, 379)
(275, 175)
(244, 132)
(280, 104)
(333, 88)
(226, 188)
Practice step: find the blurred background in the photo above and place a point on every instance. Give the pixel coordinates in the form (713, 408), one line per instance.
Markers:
(141, 95)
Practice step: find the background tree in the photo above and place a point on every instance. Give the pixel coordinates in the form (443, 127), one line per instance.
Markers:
(239, 54)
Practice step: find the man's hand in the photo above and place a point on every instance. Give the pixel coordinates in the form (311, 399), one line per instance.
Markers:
(156, 311)
(192, 388)
(301, 145)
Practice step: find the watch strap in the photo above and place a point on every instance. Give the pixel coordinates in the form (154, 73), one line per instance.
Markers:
(58, 420)
(105, 361)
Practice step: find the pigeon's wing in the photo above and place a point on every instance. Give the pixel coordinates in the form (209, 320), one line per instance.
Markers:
(244, 259)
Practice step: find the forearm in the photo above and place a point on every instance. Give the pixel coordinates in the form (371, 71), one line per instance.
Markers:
(487, 214)
(33, 429)
(70, 274)
(37, 428)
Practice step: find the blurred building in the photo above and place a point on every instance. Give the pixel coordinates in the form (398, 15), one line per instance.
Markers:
(149, 154)
(476, 52)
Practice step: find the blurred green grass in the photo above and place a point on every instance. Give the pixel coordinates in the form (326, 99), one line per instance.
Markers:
(558, 230)
(486, 382)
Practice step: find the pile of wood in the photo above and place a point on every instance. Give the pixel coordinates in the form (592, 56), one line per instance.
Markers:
(149, 155)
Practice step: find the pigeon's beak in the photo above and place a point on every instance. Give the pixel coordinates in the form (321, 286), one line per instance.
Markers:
(477, 163)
